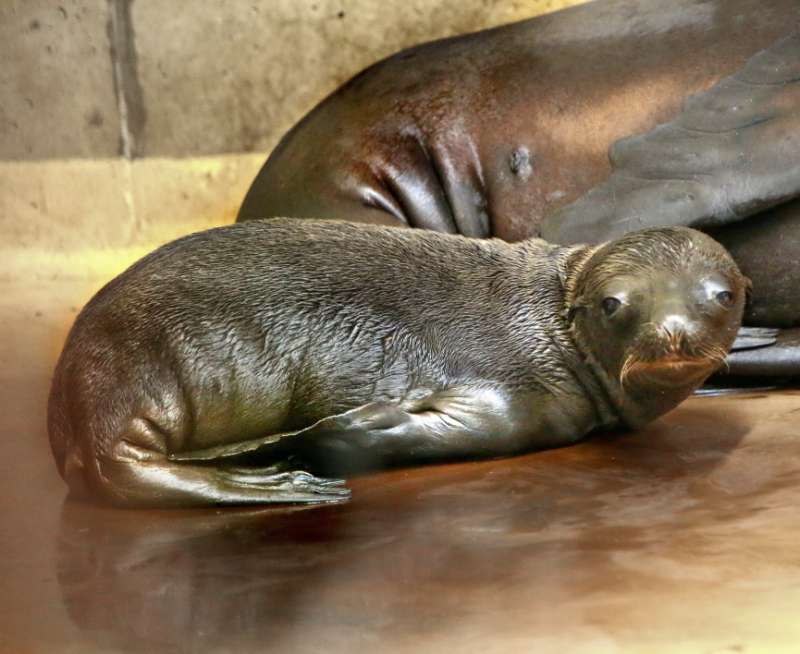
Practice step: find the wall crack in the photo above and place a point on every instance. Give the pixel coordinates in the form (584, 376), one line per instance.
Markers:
(127, 87)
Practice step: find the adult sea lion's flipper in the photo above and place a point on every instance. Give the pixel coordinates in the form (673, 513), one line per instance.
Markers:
(761, 352)
(779, 360)
(750, 338)
(732, 152)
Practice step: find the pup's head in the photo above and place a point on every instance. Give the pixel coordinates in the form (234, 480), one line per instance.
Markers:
(658, 310)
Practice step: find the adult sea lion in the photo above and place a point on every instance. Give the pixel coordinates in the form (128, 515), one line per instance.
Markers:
(316, 347)
(500, 132)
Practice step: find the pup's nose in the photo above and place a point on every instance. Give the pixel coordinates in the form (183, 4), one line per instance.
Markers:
(675, 323)
(676, 327)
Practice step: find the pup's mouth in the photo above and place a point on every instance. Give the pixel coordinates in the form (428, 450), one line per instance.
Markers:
(671, 370)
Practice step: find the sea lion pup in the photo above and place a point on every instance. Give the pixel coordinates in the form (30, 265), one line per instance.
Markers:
(214, 368)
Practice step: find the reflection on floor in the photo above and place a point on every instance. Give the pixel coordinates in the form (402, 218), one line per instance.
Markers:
(680, 538)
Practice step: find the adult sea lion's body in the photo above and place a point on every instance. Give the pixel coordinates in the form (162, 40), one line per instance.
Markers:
(325, 345)
(492, 133)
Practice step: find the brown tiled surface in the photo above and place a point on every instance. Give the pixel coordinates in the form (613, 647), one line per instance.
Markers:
(680, 538)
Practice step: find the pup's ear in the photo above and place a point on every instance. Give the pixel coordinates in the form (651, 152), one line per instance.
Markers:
(571, 314)
(573, 310)
(748, 289)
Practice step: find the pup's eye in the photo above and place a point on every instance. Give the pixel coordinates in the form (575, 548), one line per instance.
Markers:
(725, 298)
(610, 305)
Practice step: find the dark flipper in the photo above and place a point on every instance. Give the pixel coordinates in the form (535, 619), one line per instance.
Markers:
(760, 360)
(733, 151)
(750, 338)
(780, 360)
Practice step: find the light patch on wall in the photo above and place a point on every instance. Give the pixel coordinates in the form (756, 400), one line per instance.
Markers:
(78, 218)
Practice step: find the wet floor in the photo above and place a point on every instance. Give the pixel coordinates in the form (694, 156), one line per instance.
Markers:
(683, 537)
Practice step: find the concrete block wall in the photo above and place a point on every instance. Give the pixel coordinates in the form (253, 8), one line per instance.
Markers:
(125, 123)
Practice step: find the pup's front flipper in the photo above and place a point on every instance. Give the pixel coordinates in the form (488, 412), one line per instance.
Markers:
(448, 424)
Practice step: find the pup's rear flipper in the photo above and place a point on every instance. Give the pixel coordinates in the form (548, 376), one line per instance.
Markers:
(132, 475)
(167, 484)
